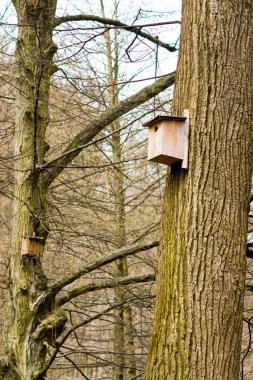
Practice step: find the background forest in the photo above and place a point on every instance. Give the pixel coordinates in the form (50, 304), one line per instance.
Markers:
(109, 197)
(106, 203)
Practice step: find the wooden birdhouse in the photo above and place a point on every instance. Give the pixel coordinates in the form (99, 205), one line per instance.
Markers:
(31, 245)
(168, 139)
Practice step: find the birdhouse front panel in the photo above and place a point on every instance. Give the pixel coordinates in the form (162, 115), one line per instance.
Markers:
(30, 247)
(166, 142)
(168, 139)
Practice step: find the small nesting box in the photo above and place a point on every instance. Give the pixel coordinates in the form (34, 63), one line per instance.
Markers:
(31, 245)
(168, 139)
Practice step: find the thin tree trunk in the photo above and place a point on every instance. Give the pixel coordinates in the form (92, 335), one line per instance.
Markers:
(130, 359)
(123, 333)
(201, 271)
(125, 365)
(125, 322)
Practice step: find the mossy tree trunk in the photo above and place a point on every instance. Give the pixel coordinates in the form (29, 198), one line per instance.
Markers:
(201, 271)
(34, 54)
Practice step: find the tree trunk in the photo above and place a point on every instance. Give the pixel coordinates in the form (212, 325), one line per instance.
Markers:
(125, 367)
(124, 361)
(121, 265)
(25, 351)
(201, 270)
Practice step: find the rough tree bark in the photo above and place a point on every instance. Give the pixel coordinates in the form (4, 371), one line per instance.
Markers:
(34, 53)
(201, 271)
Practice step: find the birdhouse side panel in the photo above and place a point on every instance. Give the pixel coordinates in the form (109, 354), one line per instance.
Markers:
(24, 248)
(173, 139)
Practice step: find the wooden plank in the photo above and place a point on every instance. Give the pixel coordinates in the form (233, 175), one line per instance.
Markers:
(186, 140)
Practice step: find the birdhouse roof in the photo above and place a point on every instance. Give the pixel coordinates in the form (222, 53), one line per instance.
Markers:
(161, 118)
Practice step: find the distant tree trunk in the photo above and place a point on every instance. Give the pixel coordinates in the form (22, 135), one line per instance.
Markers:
(201, 271)
(121, 265)
(130, 358)
(125, 365)
(123, 327)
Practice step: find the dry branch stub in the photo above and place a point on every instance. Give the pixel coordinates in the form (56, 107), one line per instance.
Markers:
(169, 139)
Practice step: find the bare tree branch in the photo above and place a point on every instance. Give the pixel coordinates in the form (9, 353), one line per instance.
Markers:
(54, 168)
(107, 259)
(55, 288)
(107, 21)
(106, 284)
(76, 366)
(39, 374)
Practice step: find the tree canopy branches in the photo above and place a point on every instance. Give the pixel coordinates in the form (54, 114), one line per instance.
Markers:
(107, 21)
(54, 168)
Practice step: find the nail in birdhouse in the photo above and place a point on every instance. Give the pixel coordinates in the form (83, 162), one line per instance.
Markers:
(31, 245)
(168, 139)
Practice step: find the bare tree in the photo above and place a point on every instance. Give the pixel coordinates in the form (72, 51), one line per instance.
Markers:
(34, 333)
